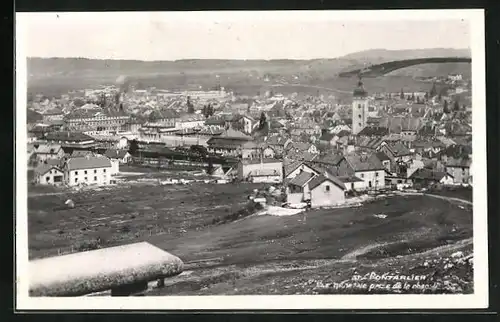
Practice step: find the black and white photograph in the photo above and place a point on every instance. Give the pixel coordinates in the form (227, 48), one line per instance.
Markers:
(251, 160)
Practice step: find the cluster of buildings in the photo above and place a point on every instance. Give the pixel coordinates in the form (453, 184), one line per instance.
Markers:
(320, 149)
(71, 159)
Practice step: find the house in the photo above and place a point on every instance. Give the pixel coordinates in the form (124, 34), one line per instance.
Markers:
(304, 147)
(244, 123)
(53, 114)
(48, 175)
(260, 170)
(69, 139)
(326, 191)
(386, 161)
(44, 152)
(294, 168)
(87, 170)
(278, 143)
(352, 183)
(228, 143)
(459, 169)
(268, 152)
(364, 166)
(297, 190)
(117, 157)
(328, 138)
(250, 150)
(396, 151)
(427, 177)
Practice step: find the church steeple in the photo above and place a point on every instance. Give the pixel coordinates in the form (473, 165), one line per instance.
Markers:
(360, 91)
(359, 108)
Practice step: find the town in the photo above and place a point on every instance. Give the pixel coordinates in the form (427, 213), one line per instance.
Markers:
(319, 152)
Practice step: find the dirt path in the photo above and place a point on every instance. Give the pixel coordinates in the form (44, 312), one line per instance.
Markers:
(435, 196)
(363, 250)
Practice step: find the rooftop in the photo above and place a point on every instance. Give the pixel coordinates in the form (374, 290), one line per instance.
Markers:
(88, 162)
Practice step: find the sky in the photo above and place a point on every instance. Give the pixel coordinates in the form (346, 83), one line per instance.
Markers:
(242, 35)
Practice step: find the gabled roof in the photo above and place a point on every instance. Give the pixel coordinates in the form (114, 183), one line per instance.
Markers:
(68, 136)
(327, 136)
(359, 162)
(88, 162)
(374, 131)
(115, 153)
(382, 156)
(461, 163)
(317, 180)
(398, 149)
(349, 179)
(343, 133)
(428, 174)
(48, 149)
(44, 168)
(301, 179)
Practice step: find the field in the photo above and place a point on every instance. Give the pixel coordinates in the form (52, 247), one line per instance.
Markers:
(259, 254)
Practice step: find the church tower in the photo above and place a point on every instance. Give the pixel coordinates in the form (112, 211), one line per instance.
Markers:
(359, 108)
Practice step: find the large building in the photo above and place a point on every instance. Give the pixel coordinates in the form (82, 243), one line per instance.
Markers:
(360, 108)
(87, 170)
(97, 121)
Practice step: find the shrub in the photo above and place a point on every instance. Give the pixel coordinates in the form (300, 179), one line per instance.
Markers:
(87, 245)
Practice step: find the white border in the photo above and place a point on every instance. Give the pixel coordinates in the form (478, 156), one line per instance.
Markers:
(478, 300)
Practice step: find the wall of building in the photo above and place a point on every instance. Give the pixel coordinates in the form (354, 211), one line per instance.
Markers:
(460, 175)
(267, 179)
(359, 114)
(115, 166)
(245, 169)
(98, 176)
(372, 179)
(320, 197)
(358, 185)
(301, 168)
(50, 178)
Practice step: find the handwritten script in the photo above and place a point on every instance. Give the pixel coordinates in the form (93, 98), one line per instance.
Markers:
(387, 282)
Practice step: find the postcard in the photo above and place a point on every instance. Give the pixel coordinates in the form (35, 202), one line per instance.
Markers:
(245, 160)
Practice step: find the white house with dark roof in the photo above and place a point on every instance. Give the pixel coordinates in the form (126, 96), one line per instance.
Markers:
(366, 167)
(48, 151)
(48, 175)
(116, 158)
(87, 170)
(326, 191)
(297, 190)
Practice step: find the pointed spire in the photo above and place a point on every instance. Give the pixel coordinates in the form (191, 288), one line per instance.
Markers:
(360, 91)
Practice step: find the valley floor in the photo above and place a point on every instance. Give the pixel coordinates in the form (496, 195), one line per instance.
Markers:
(305, 253)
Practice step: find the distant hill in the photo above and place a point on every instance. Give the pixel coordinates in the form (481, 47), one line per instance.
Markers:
(73, 73)
(383, 55)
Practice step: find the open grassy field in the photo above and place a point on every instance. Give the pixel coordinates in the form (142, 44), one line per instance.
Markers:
(259, 254)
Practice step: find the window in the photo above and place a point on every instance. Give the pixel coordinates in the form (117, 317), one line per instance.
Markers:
(95, 178)
(85, 172)
(359, 106)
(95, 171)
(76, 180)
(47, 178)
(76, 172)
(327, 188)
(86, 179)
(362, 175)
(376, 174)
(359, 124)
(400, 181)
